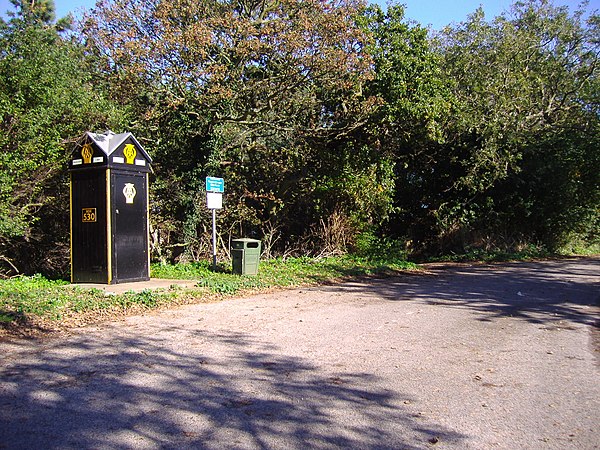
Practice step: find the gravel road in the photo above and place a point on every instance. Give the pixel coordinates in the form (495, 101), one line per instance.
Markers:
(465, 357)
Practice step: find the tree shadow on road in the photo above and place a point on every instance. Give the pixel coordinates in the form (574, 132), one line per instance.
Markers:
(141, 392)
(538, 292)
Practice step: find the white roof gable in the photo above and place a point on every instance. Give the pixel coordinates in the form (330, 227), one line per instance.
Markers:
(110, 141)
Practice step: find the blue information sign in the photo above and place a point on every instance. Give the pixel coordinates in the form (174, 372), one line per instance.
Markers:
(215, 184)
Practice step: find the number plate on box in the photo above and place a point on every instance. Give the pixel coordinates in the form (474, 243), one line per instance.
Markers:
(88, 215)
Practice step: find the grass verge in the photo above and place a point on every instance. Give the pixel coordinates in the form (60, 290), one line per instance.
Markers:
(527, 253)
(29, 305)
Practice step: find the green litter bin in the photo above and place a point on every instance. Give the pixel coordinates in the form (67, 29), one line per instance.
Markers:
(245, 254)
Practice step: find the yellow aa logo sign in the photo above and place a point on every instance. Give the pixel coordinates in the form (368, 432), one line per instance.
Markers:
(129, 152)
(87, 153)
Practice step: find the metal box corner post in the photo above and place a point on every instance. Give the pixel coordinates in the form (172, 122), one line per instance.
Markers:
(245, 254)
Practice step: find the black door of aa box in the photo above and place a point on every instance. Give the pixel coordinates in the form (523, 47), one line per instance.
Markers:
(89, 250)
(129, 226)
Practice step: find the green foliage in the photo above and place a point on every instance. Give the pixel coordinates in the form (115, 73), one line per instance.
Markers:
(35, 295)
(263, 94)
(408, 80)
(524, 253)
(375, 248)
(408, 127)
(38, 13)
(229, 284)
(181, 271)
(520, 154)
(578, 246)
(331, 122)
(287, 272)
(48, 98)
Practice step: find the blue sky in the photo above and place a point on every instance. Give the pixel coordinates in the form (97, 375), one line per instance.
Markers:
(438, 13)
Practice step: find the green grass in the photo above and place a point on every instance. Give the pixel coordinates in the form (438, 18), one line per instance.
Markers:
(279, 273)
(26, 296)
(526, 253)
(23, 299)
(26, 299)
(577, 247)
(481, 255)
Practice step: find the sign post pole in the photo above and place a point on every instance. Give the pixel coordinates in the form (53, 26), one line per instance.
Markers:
(214, 200)
(214, 239)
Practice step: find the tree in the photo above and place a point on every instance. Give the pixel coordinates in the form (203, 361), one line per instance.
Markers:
(523, 137)
(259, 92)
(48, 98)
(408, 127)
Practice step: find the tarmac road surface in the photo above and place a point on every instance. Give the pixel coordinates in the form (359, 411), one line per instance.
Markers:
(466, 357)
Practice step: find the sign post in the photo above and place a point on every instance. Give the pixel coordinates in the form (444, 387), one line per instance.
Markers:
(214, 240)
(214, 200)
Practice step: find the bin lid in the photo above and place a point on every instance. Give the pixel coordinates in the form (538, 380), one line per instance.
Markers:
(245, 243)
(121, 151)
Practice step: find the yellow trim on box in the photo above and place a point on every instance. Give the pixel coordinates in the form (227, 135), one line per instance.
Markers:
(148, 219)
(108, 228)
(71, 224)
